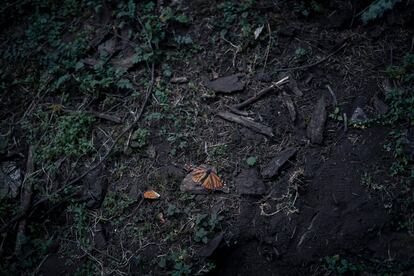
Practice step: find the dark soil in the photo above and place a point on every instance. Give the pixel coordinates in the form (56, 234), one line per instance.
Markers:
(332, 208)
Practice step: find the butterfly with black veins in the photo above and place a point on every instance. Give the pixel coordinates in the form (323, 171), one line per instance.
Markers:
(207, 177)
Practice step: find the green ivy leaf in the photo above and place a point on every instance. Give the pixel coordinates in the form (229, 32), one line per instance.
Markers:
(251, 161)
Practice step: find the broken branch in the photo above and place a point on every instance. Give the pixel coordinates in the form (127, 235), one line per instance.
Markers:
(257, 127)
(261, 93)
(25, 201)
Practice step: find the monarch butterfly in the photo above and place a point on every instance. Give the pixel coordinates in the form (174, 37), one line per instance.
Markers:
(151, 194)
(209, 179)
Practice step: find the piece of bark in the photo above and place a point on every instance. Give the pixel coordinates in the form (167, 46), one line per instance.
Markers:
(249, 182)
(317, 123)
(273, 167)
(257, 127)
(290, 106)
(228, 84)
(25, 201)
(239, 112)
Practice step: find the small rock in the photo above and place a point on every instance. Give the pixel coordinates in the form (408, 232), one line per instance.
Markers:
(248, 182)
(227, 84)
(273, 167)
(359, 115)
(380, 106)
(211, 246)
(317, 124)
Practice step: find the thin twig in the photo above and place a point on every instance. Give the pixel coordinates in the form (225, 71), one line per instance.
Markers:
(269, 45)
(261, 94)
(334, 101)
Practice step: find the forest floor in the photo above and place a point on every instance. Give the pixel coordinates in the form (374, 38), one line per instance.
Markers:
(102, 102)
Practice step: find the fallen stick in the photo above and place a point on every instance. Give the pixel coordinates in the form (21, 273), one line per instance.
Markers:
(238, 112)
(257, 127)
(26, 200)
(261, 93)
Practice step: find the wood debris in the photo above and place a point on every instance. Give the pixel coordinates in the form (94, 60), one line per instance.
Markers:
(317, 124)
(250, 124)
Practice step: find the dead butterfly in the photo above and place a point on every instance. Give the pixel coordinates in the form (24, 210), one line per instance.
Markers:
(209, 179)
(151, 194)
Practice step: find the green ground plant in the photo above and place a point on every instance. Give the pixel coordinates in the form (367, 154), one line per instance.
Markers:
(336, 114)
(341, 266)
(80, 223)
(205, 226)
(175, 262)
(251, 161)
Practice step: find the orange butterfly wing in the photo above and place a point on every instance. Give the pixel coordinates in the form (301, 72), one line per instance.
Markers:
(198, 174)
(151, 194)
(213, 182)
